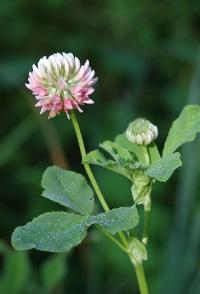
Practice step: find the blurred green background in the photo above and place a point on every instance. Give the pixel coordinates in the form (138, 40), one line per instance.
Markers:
(147, 57)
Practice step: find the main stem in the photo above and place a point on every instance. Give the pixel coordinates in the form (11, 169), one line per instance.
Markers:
(138, 268)
(147, 206)
(145, 235)
(90, 174)
(141, 279)
(86, 165)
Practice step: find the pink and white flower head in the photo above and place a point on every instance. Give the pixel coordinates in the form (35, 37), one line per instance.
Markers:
(61, 83)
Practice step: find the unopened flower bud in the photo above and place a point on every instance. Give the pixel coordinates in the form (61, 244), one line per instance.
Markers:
(141, 131)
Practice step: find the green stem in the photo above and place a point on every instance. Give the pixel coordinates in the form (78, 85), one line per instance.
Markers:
(147, 205)
(90, 174)
(141, 279)
(147, 214)
(146, 155)
(112, 238)
(86, 165)
(138, 268)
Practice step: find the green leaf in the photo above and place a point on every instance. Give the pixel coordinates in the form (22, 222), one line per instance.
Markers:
(137, 150)
(137, 251)
(53, 271)
(117, 152)
(164, 168)
(153, 153)
(184, 128)
(60, 231)
(52, 231)
(97, 158)
(123, 161)
(68, 188)
(119, 219)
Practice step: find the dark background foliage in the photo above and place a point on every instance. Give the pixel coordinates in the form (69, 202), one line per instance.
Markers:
(147, 57)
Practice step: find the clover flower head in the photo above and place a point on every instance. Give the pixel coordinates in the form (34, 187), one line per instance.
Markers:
(60, 83)
(141, 131)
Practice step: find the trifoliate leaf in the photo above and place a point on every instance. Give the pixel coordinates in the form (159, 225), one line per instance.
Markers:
(68, 188)
(164, 168)
(119, 219)
(123, 161)
(97, 158)
(183, 129)
(52, 231)
(60, 231)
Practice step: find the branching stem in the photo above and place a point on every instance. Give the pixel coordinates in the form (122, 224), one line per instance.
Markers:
(125, 243)
(90, 174)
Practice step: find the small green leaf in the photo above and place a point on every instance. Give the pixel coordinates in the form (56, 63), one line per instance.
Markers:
(137, 150)
(164, 168)
(117, 152)
(119, 219)
(184, 128)
(153, 153)
(68, 188)
(123, 161)
(53, 271)
(97, 158)
(137, 251)
(52, 231)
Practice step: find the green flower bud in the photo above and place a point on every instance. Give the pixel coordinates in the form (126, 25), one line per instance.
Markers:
(141, 131)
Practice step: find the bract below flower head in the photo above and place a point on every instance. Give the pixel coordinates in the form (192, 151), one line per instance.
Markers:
(141, 131)
(60, 83)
